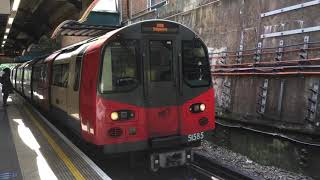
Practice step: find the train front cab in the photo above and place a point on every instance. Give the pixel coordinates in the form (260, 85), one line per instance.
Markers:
(154, 89)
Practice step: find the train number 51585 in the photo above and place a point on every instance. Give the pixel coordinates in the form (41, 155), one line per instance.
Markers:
(195, 136)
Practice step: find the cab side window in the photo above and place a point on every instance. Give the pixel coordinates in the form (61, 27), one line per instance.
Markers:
(77, 74)
(60, 75)
(119, 66)
(196, 67)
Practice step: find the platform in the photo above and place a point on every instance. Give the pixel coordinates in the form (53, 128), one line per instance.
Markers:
(32, 148)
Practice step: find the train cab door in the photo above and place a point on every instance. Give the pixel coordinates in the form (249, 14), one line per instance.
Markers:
(73, 91)
(160, 87)
(60, 81)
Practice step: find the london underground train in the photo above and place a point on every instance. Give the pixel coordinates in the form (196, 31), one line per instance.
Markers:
(142, 87)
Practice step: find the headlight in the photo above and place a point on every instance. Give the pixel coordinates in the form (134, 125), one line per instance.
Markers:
(197, 108)
(122, 115)
(114, 116)
(202, 107)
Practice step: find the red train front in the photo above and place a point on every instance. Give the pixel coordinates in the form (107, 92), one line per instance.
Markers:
(146, 86)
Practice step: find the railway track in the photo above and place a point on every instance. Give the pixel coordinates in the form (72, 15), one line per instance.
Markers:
(209, 169)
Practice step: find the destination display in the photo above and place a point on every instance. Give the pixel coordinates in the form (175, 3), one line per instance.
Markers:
(159, 27)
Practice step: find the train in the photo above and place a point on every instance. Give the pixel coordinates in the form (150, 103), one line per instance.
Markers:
(142, 87)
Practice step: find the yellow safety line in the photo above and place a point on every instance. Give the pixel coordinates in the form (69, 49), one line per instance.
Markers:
(75, 172)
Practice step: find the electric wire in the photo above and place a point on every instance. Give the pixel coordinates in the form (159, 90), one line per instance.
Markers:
(271, 134)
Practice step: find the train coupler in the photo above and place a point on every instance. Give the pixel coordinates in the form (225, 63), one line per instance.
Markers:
(170, 159)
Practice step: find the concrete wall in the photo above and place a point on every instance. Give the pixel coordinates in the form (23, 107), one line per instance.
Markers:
(225, 25)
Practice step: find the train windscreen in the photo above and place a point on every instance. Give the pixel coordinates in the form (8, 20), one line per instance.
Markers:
(196, 67)
(119, 67)
(161, 55)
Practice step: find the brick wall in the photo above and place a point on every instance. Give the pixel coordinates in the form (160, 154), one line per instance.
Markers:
(125, 9)
(138, 6)
(224, 25)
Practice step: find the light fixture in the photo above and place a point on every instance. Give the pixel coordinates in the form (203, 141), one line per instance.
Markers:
(197, 108)
(15, 5)
(122, 115)
(2, 45)
(114, 116)
(10, 21)
(202, 107)
(7, 30)
(5, 36)
(3, 42)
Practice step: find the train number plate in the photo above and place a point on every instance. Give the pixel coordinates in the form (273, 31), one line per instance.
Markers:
(195, 136)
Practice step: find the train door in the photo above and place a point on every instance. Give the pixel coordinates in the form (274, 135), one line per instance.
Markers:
(161, 87)
(60, 81)
(73, 91)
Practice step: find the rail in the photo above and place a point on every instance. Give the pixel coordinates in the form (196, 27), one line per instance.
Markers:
(212, 169)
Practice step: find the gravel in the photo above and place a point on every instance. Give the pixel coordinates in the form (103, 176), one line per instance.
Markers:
(246, 165)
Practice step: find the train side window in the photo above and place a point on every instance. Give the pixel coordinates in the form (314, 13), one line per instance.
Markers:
(119, 66)
(11, 75)
(26, 76)
(196, 67)
(60, 75)
(65, 75)
(36, 76)
(77, 74)
(36, 73)
(44, 70)
(18, 76)
(56, 75)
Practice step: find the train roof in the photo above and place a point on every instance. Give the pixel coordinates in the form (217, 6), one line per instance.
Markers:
(119, 30)
(135, 27)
